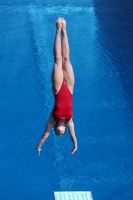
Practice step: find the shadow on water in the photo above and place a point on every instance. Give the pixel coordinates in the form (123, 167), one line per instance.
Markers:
(39, 18)
(42, 34)
(119, 40)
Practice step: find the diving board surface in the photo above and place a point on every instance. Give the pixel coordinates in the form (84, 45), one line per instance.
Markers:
(73, 195)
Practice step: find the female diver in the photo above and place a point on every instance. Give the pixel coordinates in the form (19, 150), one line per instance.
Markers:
(62, 85)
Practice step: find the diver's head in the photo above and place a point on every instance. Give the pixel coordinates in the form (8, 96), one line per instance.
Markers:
(60, 128)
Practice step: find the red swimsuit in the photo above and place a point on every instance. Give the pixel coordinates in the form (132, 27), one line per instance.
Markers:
(63, 104)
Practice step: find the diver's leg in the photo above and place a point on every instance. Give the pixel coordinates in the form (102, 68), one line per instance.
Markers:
(57, 74)
(67, 67)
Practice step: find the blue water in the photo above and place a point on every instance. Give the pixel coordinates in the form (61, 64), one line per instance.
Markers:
(101, 41)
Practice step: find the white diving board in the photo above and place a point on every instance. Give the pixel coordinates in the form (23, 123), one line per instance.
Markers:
(73, 195)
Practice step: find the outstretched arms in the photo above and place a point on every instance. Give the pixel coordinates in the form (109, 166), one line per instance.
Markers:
(72, 136)
(48, 128)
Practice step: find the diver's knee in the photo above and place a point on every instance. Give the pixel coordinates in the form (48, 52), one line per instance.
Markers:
(57, 59)
(66, 58)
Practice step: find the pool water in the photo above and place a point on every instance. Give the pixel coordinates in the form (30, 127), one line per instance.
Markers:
(101, 40)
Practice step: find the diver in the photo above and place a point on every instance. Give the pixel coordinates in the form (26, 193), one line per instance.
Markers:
(62, 86)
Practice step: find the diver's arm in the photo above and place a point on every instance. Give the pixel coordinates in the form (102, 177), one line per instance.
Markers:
(72, 136)
(48, 128)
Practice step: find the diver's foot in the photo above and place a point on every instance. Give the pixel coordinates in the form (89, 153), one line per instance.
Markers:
(59, 24)
(63, 28)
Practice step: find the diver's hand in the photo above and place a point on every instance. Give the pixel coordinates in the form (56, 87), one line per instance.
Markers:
(38, 150)
(73, 150)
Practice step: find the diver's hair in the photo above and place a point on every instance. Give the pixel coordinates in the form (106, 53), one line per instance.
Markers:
(56, 125)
